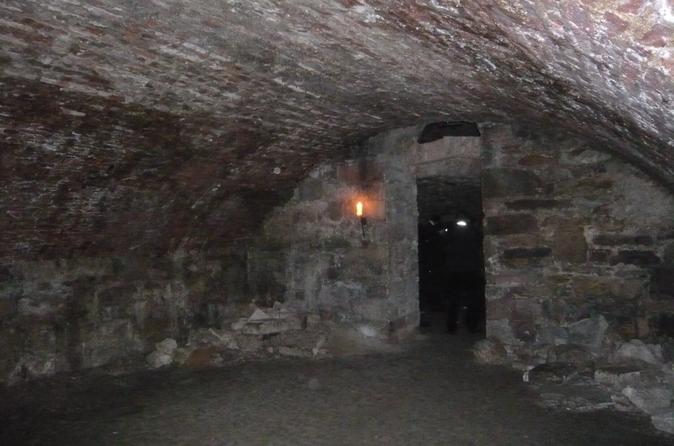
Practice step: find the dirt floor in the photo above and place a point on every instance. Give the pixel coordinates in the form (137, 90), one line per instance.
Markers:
(429, 394)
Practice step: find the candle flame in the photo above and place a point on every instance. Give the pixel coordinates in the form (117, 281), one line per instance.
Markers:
(359, 209)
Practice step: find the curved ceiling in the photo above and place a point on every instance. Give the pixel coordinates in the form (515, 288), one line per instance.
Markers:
(163, 124)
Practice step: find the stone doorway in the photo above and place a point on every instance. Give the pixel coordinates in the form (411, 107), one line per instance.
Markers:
(449, 204)
(451, 265)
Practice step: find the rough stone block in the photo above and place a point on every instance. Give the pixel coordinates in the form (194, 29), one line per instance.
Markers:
(649, 399)
(271, 326)
(599, 255)
(570, 353)
(635, 257)
(312, 320)
(359, 173)
(569, 243)
(590, 287)
(158, 359)
(618, 376)
(404, 326)
(552, 335)
(622, 239)
(116, 295)
(168, 346)
(506, 182)
(500, 308)
(335, 210)
(108, 341)
(582, 156)
(154, 329)
(537, 204)
(553, 372)
(525, 257)
(662, 282)
(500, 329)
(249, 343)
(294, 352)
(637, 350)
(664, 421)
(327, 314)
(490, 351)
(591, 187)
(38, 307)
(448, 147)
(376, 291)
(535, 160)
(589, 332)
(201, 357)
(525, 253)
(182, 354)
(510, 224)
(524, 329)
(35, 365)
(311, 189)
(668, 254)
(333, 273)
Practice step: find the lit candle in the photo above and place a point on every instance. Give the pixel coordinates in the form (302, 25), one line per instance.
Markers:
(359, 209)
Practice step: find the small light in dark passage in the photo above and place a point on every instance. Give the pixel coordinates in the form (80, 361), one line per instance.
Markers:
(462, 223)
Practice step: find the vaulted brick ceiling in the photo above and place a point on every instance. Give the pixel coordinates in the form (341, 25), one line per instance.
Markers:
(149, 126)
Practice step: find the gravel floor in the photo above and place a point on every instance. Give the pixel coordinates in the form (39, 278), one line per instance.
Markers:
(430, 394)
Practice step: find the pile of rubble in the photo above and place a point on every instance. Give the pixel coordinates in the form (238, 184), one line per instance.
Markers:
(274, 331)
(581, 367)
(639, 373)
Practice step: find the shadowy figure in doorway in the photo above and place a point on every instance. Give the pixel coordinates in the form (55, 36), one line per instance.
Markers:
(465, 306)
(464, 277)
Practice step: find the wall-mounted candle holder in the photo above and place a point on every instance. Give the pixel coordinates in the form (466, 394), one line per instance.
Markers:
(360, 207)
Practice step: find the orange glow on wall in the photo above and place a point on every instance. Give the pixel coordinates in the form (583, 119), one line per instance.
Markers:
(359, 209)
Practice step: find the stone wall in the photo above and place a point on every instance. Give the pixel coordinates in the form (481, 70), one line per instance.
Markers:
(78, 312)
(69, 314)
(367, 275)
(571, 234)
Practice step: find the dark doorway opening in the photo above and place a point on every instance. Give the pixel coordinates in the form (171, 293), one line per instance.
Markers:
(451, 263)
(437, 130)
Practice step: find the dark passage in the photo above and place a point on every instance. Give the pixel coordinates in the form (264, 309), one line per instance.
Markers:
(437, 130)
(451, 266)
